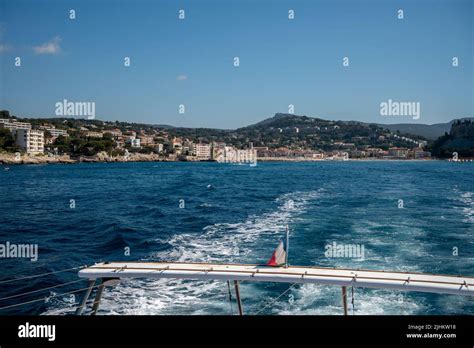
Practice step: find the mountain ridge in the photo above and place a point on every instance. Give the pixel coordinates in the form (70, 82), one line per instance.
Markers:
(429, 131)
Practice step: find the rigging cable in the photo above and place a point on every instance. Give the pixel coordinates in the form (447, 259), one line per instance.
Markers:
(73, 309)
(89, 303)
(40, 275)
(47, 297)
(275, 299)
(39, 290)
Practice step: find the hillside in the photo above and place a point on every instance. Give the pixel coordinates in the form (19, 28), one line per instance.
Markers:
(281, 130)
(460, 139)
(315, 133)
(431, 132)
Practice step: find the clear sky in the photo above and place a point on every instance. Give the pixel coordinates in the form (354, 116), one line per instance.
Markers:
(282, 61)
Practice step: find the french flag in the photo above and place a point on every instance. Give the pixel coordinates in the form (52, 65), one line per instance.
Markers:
(279, 255)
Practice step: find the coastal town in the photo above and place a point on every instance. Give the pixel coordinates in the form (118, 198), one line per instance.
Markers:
(133, 145)
(46, 142)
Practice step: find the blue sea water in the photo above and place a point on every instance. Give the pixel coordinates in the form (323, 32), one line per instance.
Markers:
(239, 218)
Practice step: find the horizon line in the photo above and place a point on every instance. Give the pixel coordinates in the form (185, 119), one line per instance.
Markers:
(230, 129)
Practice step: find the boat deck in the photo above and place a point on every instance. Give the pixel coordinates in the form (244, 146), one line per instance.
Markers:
(446, 284)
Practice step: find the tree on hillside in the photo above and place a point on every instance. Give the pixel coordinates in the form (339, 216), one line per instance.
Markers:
(4, 114)
(7, 141)
(460, 139)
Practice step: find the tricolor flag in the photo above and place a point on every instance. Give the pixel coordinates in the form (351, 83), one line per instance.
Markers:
(279, 255)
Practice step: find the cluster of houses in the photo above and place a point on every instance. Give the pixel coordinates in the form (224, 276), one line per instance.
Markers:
(178, 148)
(34, 141)
(345, 154)
(26, 138)
(343, 150)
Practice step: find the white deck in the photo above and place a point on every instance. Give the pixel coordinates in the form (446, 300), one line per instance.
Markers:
(457, 285)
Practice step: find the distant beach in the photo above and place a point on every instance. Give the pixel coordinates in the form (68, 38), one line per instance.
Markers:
(11, 159)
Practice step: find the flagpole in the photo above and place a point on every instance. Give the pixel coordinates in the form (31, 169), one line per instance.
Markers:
(287, 246)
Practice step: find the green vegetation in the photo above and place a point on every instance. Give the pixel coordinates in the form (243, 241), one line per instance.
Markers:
(291, 131)
(4, 114)
(7, 141)
(274, 132)
(83, 146)
(460, 139)
(280, 131)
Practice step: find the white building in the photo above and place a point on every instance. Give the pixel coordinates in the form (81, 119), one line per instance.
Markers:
(188, 147)
(115, 132)
(29, 140)
(12, 124)
(92, 134)
(203, 152)
(229, 154)
(54, 131)
(135, 142)
(57, 132)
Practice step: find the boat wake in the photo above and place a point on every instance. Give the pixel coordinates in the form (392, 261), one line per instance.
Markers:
(249, 241)
(222, 242)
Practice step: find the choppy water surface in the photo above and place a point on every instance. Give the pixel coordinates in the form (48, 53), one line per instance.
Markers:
(240, 218)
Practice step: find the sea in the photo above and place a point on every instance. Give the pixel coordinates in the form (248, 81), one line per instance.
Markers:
(408, 216)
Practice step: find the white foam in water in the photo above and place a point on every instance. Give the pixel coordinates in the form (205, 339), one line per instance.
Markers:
(393, 250)
(227, 242)
(312, 299)
(223, 242)
(464, 204)
(61, 305)
(468, 210)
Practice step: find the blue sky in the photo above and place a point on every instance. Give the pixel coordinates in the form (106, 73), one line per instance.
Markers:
(282, 61)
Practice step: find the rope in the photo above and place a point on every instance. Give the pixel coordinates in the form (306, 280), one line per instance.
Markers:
(88, 303)
(39, 290)
(51, 287)
(40, 275)
(47, 297)
(275, 299)
(230, 298)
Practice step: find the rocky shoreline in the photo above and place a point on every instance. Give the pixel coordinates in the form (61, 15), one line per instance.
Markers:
(8, 158)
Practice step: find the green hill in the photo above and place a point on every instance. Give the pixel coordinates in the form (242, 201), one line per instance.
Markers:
(460, 139)
(429, 131)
